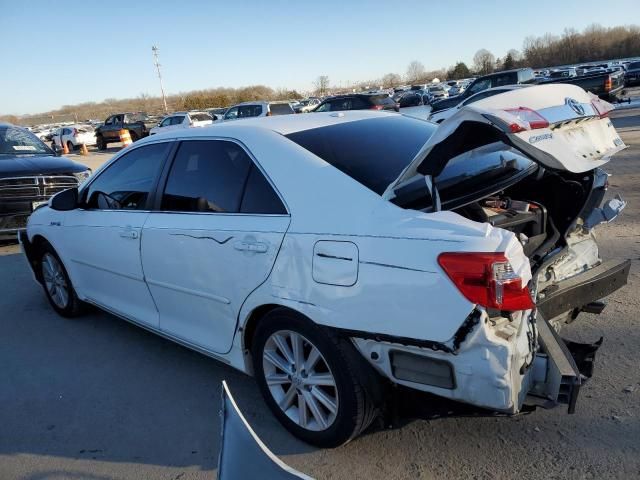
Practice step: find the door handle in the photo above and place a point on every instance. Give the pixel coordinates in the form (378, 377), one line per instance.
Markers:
(256, 247)
(129, 233)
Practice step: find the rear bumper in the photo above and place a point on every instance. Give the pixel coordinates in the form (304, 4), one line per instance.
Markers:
(590, 286)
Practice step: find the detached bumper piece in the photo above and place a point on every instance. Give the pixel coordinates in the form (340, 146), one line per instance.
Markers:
(561, 369)
(584, 289)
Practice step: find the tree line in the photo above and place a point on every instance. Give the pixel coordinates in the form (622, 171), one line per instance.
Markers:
(594, 43)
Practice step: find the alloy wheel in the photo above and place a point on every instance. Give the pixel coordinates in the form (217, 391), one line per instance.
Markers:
(54, 280)
(300, 380)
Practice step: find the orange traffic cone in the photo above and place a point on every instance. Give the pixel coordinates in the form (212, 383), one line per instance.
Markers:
(125, 138)
(65, 149)
(84, 150)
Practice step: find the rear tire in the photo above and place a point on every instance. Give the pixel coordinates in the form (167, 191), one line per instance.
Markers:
(133, 135)
(100, 143)
(57, 284)
(70, 147)
(326, 402)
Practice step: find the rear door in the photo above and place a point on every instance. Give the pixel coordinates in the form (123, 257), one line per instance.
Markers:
(213, 239)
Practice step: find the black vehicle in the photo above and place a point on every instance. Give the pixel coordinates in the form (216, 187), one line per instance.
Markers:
(30, 174)
(632, 77)
(606, 85)
(358, 101)
(498, 79)
(138, 125)
(413, 99)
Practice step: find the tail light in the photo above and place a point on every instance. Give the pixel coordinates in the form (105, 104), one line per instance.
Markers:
(525, 117)
(602, 108)
(376, 107)
(269, 113)
(608, 84)
(486, 279)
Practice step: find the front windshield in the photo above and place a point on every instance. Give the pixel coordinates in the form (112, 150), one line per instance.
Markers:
(20, 141)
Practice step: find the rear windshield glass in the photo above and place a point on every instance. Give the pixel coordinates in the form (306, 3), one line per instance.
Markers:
(633, 65)
(200, 117)
(381, 100)
(280, 109)
(372, 151)
(20, 141)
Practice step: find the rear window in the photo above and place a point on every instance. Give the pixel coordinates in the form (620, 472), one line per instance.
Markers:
(245, 111)
(200, 117)
(373, 152)
(633, 65)
(382, 100)
(280, 109)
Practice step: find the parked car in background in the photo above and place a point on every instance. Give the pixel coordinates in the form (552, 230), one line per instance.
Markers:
(308, 104)
(30, 174)
(438, 92)
(358, 101)
(138, 125)
(498, 79)
(73, 137)
(360, 251)
(563, 73)
(413, 98)
(217, 113)
(605, 83)
(456, 89)
(180, 120)
(257, 109)
(632, 75)
(441, 115)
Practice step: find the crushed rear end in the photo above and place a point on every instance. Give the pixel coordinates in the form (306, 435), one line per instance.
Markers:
(542, 150)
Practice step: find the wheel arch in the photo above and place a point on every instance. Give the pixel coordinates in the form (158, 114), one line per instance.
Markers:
(253, 319)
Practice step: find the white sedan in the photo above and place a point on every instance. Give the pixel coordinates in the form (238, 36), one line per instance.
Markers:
(334, 255)
(181, 120)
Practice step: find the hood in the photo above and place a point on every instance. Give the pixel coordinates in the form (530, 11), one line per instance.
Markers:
(561, 127)
(26, 165)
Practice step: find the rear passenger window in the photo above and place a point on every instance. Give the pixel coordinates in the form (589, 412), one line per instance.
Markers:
(206, 176)
(249, 111)
(259, 197)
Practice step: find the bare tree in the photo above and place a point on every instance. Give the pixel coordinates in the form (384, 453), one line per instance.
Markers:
(484, 61)
(322, 85)
(391, 80)
(415, 71)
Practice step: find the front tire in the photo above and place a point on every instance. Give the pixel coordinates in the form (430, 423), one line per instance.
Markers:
(314, 381)
(100, 143)
(57, 285)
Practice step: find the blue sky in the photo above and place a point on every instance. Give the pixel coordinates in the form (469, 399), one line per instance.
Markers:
(55, 53)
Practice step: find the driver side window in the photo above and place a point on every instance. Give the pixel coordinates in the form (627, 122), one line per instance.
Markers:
(126, 183)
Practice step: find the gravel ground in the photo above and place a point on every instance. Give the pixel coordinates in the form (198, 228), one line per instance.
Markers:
(100, 399)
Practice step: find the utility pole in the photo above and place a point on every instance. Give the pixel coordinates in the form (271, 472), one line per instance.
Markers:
(155, 49)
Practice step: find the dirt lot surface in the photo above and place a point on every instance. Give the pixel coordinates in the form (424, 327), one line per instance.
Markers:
(98, 399)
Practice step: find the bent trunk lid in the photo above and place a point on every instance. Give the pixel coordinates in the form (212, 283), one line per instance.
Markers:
(577, 137)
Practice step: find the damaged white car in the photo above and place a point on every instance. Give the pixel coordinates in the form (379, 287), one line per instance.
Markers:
(333, 255)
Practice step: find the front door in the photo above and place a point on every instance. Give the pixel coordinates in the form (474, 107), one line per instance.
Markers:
(214, 240)
(102, 239)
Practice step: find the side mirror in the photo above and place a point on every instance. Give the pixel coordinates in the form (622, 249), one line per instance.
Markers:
(65, 200)
(57, 150)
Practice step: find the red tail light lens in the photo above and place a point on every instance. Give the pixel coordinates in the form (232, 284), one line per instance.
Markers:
(376, 107)
(608, 84)
(526, 116)
(487, 279)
